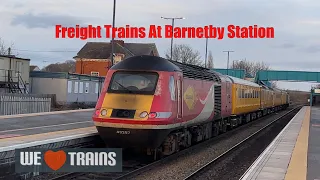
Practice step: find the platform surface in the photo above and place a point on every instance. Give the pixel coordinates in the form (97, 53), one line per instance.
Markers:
(294, 154)
(35, 123)
(13, 143)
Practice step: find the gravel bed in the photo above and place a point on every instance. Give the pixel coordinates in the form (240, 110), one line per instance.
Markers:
(47, 176)
(235, 165)
(184, 165)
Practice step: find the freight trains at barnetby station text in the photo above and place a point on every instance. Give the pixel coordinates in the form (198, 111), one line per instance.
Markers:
(161, 106)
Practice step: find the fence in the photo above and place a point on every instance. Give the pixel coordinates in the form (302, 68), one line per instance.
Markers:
(24, 103)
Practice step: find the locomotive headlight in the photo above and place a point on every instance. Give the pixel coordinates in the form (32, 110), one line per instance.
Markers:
(104, 112)
(153, 115)
(143, 114)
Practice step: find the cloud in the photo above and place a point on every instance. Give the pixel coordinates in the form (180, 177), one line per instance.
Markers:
(312, 49)
(310, 22)
(43, 20)
(285, 46)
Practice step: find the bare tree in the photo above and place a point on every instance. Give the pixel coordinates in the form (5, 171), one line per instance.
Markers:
(185, 54)
(67, 66)
(252, 68)
(210, 60)
(4, 50)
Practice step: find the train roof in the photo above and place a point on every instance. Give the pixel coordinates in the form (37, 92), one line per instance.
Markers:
(197, 72)
(243, 82)
(155, 63)
(146, 63)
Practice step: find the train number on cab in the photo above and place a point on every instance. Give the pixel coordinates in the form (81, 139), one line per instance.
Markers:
(123, 132)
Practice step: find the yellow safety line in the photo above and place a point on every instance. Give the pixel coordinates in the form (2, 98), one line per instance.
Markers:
(297, 169)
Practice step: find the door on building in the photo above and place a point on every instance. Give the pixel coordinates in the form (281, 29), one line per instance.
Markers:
(18, 68)
(19, 73)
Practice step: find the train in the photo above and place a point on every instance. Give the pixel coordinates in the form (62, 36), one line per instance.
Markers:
(162, 106)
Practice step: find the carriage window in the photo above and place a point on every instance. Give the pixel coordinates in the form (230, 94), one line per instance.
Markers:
(133, 82)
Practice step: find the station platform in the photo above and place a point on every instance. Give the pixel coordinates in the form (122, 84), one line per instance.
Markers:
(37, 123)
(294, 154)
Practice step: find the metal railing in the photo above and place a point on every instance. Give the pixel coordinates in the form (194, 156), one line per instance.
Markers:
(12, 76)
(11, 104)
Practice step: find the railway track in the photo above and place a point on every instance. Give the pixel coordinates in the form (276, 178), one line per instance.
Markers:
(128, 166)
(202, 170)
(132, 168)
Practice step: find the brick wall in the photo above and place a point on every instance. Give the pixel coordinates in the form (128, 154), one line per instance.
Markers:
(89, 66)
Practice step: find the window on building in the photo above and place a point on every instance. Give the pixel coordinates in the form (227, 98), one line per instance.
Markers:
(87, 88)
(97, 88)
(69, 86)
(76, 87)
(81, 87)
(93, 73)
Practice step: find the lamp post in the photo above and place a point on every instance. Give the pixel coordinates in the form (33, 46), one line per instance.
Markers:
(113, 24)
(172, 18)
(228, 60)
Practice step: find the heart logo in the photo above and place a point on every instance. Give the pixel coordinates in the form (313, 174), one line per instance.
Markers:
(55, 160)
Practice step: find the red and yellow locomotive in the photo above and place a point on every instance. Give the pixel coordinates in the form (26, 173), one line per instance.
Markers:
(152, 103)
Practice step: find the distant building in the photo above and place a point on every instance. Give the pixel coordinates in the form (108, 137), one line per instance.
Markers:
(95, 57)
(67, 87)
(14, 74)
(34, 68)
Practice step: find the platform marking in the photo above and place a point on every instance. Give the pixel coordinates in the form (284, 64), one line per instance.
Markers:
(43, 113)
(23, 129)
(4, 136)
(298, 164)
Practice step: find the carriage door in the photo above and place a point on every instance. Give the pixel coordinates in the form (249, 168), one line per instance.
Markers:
(179, 98)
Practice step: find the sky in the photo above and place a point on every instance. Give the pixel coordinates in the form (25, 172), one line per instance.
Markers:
(30, 25)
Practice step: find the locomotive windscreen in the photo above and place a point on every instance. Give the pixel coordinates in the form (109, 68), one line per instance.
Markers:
(133, 82)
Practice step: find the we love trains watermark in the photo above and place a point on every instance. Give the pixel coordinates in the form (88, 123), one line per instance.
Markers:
(167, 31)
(68, 160)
